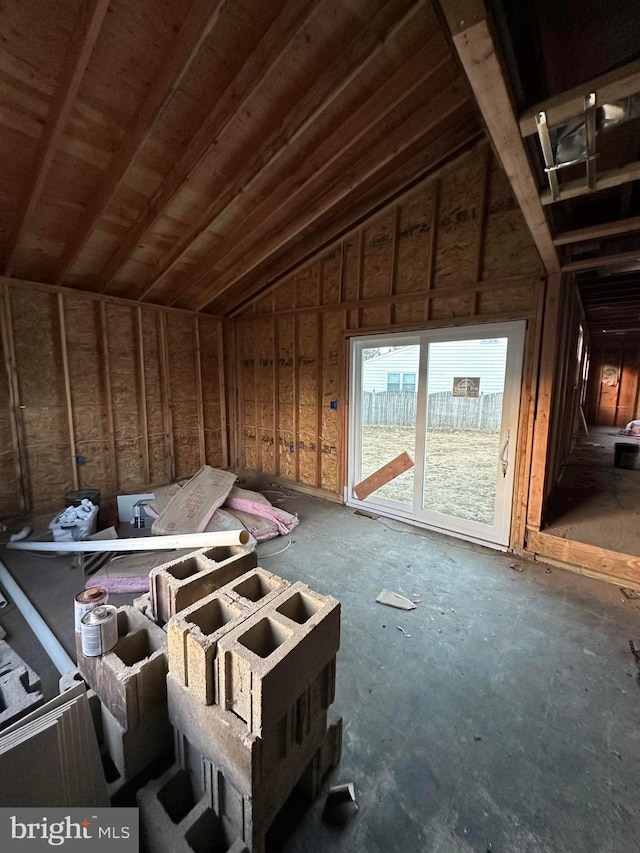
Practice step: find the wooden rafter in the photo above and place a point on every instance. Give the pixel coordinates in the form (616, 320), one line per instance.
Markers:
(336, 80)
(196, 28)
(448, 100)
(474, 42)
(601, 261)
(258, 65)
(597, 232)
(605, 180)
(78, 55)
(609, 87)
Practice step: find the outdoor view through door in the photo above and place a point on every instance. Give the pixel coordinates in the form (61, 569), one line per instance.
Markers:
(449, 399)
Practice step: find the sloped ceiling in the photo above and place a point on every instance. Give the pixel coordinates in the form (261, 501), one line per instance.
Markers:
(186, 153)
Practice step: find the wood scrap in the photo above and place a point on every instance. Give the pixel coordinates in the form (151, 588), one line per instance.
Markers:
(394, 599)
(383, 475)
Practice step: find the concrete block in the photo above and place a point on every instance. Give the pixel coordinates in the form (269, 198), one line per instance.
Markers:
(19, 686)
(143, 604)
(130, 679)
(173, 818)
(132, 750)
(264, 665)
(325, 760)
(193, 634)
(180, 583)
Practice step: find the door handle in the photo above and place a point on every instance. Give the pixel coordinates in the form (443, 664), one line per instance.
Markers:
(504, 454)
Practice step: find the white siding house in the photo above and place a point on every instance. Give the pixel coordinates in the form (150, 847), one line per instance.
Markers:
(398, 370)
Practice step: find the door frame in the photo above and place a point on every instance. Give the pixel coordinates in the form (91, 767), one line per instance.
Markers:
(471, 531)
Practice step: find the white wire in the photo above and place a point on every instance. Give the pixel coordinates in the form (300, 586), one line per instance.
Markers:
(275, 553)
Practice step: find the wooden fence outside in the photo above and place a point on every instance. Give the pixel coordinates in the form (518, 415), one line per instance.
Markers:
(444, 411)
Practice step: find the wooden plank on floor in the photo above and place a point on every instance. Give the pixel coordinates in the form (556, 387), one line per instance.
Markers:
(383, 475)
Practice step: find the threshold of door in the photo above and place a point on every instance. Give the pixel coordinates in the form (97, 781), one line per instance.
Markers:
(387, 513)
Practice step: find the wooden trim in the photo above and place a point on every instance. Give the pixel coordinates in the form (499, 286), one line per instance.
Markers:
(597, 232)
(199, 401)
(618, 259)
(174, 66)
(223, 396)
(544, 401)
(17, 427)
(67, 392)
(473, 40)
(604, 181)
(97, 297)
(344, 391)
(142, 393)
(76, 60)
(106, 376)
(608, 87)
(612, 566)
(166, 398)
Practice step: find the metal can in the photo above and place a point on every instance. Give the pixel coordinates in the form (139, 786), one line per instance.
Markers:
(86, 601)
(99, 630)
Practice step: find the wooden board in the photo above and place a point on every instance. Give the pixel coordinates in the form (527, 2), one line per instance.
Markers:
(383, 475)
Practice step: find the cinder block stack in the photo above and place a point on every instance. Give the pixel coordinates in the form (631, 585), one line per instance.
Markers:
(250, 683)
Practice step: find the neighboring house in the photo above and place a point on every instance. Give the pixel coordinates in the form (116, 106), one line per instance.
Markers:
(397, 370)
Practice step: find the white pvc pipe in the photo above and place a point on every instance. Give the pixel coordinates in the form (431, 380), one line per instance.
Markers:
(139, 543)
(43, 632)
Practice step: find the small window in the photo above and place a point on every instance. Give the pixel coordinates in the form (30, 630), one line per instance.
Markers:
(393, 381)
(408, 382)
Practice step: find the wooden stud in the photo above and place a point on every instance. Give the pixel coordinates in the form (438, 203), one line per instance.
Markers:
(106, 377)
(360, 277)
(199, 400)
(17, 425)
(166, 398)
(395, 248)
(257, 407)
(482, 225)
(433, 242)
(67, 392)
(76, 60)
(142, 402)
(618, 259)
(319, 402)
(606, 180)
(276, 395)
(223, 396)
(296, 389)
(598, 232)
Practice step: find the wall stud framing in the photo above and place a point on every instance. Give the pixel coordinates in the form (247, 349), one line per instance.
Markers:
(106, 376)
(224, 438)
(166, 396)
(431, 268)
(17, 428)
(142, 399)
(67, 392)
(199, 400)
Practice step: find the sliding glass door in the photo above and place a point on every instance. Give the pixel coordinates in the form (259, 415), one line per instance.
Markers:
(433, 428)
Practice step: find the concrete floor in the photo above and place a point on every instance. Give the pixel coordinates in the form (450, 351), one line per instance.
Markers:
(597, 503)
(507, 721)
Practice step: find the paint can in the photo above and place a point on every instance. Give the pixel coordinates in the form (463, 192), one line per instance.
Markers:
(86, 601)
(99, 630)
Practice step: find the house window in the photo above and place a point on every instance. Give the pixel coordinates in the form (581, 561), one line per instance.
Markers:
(393, 381)
(408, 382)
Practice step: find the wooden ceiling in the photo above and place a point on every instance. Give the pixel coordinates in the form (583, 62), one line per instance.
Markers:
(186, 153)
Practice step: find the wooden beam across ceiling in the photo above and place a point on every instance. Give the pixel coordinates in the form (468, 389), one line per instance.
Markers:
(604, 181)
(82, 43)
(473, 39)
(612, 86)
(619, 259)
(597, 232)
(196, 28)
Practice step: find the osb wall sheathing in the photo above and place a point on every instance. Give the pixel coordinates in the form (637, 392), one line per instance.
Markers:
(453, 250)
(101, 393)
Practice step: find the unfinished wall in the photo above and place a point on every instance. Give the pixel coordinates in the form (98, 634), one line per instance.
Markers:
(456, 249)
(612, 397)
(102, 393)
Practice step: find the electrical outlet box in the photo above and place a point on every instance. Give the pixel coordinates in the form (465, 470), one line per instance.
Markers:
(333, 404)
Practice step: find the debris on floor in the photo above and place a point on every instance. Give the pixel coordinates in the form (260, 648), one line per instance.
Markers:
(635, 649)
(516, 567)
(394, 599)
(400, 628)
(372, 515)
(383, 475)
(629, 593)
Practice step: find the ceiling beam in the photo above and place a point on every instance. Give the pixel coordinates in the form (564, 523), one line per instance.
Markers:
(257, 66)
(445, 102)
(604, 181)
(76, 60)
(597, 232)
(174, 66)
(477, 50)
(608, 87)
(340, 75)
(602, 261)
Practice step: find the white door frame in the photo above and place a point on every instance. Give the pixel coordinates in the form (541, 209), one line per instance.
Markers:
(496, 535)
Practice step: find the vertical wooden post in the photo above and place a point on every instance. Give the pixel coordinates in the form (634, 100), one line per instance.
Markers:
(257, 398)
(166, 396)
(431, 267)
(17, 430)
(296, 393)
(360, 276)
(106, 375)
(319, 403)
(482, 226)
(199, 400)
(224, 439)
(67, 392)
(276, 396)
(142, 395)
(394, 262)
